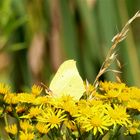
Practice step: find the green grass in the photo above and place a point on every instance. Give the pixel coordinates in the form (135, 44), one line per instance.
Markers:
(83, 33)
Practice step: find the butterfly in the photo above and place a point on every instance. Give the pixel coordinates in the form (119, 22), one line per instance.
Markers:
(67, 81)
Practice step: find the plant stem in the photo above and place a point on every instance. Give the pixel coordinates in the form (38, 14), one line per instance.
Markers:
(6, 123)
(115, 132)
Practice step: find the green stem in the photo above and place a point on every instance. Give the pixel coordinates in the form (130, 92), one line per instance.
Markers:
(115, 132)
(79, 132)
(133, 137)
(59, 132)
(6, 123)
(5, 119)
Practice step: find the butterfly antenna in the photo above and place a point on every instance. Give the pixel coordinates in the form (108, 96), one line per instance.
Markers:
(48, 90)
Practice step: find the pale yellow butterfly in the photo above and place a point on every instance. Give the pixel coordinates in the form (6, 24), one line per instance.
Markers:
(67, 81)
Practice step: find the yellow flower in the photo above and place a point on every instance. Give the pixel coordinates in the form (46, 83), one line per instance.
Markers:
(112, 94)
(68, 104)
(4, 89)
(124, 96)
(26, 126)
(36, 90)
(118, 115)
(107, 86)
(51, 117)
(20, 108)
(65, 102)
(99, 96)
(134, 104)
(42, 127)
(57, 102)
(83, 108)
(26, 136)
(135, 93)
(92, 117)
(133, 128)
(70, 107)
(40, 100)
(11, 98)
(97, 123)
(94, 102)
(88, 109)
(34, 111)
(11, 129)
(8, 109)
(26, 97)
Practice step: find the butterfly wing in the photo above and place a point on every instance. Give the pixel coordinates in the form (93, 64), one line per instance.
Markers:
(67, 81)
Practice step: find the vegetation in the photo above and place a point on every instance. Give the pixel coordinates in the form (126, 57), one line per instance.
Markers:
(35, 37)
(112, 114)
(66, 29)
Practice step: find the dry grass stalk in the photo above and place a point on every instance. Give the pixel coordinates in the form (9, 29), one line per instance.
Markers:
(111, 56)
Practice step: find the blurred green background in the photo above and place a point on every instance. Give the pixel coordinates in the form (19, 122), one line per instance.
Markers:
(36, 36)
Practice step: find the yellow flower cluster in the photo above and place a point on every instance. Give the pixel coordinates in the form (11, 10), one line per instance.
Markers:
(38, 115)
